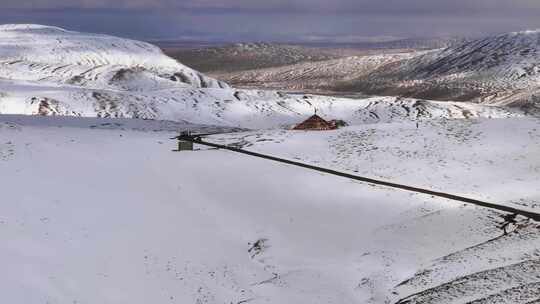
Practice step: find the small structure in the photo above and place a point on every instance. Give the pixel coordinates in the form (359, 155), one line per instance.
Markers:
(316, 123)
(185, 145)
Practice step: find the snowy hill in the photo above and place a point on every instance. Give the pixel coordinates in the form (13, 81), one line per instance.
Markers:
(226, 107)
(54, 55)
(502, 69)
(96, 211)
(498, 269)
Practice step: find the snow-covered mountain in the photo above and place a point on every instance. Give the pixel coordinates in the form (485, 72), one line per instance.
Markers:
(498, 69)
(502, 69)
(54, 55)
(51, 71)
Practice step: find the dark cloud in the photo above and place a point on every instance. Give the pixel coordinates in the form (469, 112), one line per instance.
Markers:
(357, 6)
(278, 20)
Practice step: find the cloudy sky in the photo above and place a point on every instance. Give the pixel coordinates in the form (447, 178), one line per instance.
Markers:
(278, 20)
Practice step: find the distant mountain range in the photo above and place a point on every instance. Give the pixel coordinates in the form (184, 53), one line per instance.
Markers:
(248, 56)
(312, 76)
(419, 43)
(501, 69)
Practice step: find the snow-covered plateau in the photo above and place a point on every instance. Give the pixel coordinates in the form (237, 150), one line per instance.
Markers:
(96, 207)
(102, 211)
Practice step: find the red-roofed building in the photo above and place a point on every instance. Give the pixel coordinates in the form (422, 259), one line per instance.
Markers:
(316, 123)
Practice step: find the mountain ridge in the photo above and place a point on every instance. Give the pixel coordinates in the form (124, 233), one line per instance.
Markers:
(500, 69)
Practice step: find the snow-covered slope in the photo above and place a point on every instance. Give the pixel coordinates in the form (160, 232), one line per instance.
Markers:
(495, 160)
(503, 68)
(108, 214)
(51, 54)
(226, 107)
